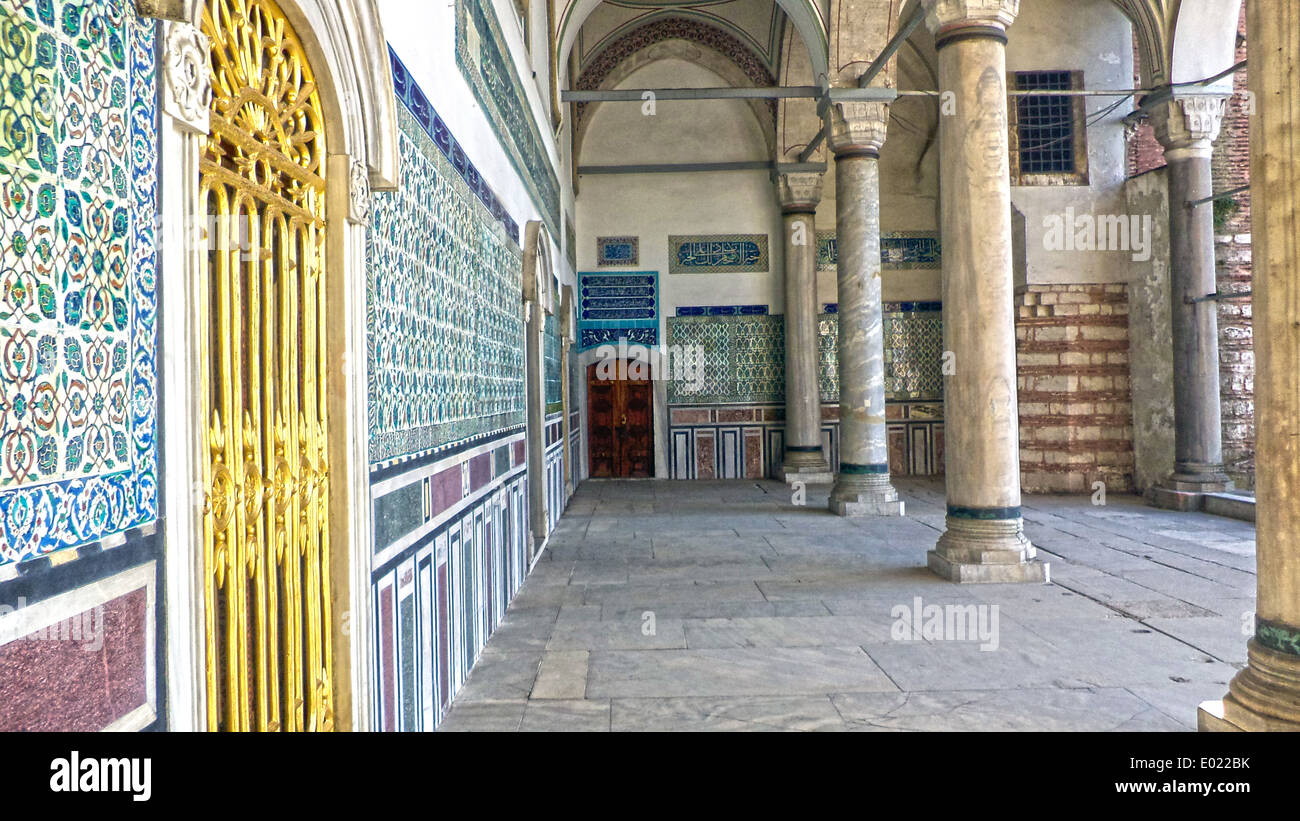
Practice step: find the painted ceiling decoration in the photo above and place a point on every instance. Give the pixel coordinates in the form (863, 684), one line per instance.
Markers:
(672, 28)
(757, 24)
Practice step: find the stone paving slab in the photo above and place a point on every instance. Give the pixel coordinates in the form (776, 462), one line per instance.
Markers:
(726, 714)
(767, 616)
(733, 671)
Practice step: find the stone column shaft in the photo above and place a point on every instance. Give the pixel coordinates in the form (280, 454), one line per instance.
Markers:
(984, 540)
(862, 485)
(804, 460)
(1266, 694)
(1187, 127)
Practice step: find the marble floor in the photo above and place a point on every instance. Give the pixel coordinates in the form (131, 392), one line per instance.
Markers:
(724, 606)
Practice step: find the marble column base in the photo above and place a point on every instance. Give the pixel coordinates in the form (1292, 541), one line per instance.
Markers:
(808, 474)
(977, 551)
(864, 495)
(1186, 491)
(807, 466)
(1263, 697)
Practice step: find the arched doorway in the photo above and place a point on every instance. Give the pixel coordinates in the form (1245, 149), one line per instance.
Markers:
(265, 312)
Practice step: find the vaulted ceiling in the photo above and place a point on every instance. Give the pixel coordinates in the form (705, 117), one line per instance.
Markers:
(756, 24)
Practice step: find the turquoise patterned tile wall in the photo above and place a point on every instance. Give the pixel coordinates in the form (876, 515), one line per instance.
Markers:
(486, 64)
(552, 366)
(743, 357)
(78, 148)
(446, 333)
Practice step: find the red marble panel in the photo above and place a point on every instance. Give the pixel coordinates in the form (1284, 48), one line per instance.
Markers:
(518, 457)
(898, 463)
(480, 471)
(754, 454)
(80, 674)
(447, 489)
(386, 653)
(704, 451)
(698, 416)
(736, 414)
(444, 641)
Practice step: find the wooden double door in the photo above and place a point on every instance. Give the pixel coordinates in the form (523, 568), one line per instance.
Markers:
(621, 437)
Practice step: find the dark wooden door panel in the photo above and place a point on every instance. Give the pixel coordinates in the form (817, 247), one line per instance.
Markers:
(621, 428)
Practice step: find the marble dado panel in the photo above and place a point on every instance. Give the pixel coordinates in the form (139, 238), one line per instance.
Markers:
(446, 334)
(78, 182)
(899, 250)
(743, 357)
(747, 441)
(718, 254)
(485, 61)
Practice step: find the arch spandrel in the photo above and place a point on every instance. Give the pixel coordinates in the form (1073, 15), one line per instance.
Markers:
(352, 54)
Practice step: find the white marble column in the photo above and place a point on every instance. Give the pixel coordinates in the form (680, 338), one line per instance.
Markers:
(1266, 694)
(984, 539)
(804, 460)
(1187, 127)
(862, 485)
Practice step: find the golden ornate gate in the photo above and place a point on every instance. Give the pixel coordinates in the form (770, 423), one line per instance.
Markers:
(266, 522)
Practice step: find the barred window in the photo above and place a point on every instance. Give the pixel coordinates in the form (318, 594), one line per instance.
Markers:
(1048, 131)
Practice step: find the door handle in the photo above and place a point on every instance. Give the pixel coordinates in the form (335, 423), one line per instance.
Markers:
(623, 423)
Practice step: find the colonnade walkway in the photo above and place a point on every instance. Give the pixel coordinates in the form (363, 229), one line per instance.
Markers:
(723, 606)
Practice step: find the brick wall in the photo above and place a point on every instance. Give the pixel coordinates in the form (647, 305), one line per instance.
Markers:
(1231, 169)
(1076, 419)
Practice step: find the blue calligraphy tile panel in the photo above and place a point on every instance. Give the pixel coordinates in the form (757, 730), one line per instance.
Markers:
(899, 250)
(721, 310)
(614, 305)
(445, 330)
(624, 251)
(78, 300)
(717, 254)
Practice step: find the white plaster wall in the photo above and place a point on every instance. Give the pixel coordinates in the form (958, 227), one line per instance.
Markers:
(1095, 37)
(654, 206)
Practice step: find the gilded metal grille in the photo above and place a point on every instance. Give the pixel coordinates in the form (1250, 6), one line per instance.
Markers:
(266, 524)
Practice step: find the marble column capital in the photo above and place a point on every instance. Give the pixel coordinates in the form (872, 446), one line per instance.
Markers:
(857, 127)
(946, 15)
(1189, 122)
(799, 192)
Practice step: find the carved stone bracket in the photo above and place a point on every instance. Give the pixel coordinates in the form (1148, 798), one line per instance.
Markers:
(1189, 121)
(858, 126)
(187, 87)
(358, 192)
(799, 191)
(944, 13)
